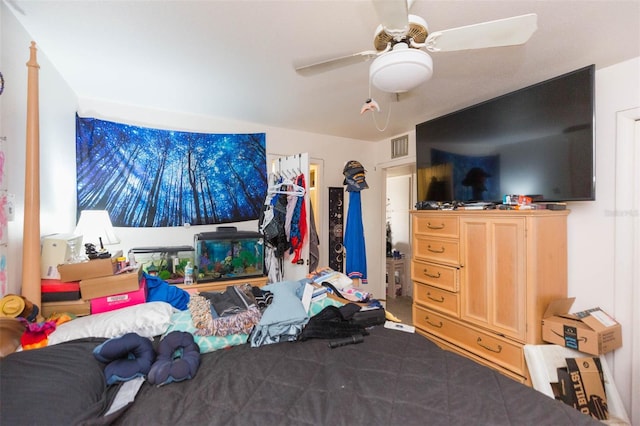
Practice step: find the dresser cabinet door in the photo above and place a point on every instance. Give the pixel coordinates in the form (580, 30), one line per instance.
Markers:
(493, 274)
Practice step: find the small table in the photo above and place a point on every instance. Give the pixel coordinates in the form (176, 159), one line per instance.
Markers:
(396, 277)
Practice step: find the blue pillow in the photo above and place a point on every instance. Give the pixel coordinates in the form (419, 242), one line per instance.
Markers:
(178, 359)
(127, 357)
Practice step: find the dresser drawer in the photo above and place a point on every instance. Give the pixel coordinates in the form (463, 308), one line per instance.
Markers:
(438, 225)
(438, 250)
(435, 298)
(444, 277)
(453, 348)
(491, 347)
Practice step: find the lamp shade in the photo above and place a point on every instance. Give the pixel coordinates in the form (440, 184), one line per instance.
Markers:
(95, 227)
(401, 69)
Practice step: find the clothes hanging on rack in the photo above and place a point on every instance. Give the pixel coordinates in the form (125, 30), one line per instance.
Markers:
(285, 186)
(273, 265)
(314, 242)
(299, 224)
(283, 222)
(274, 231)
(271, 225)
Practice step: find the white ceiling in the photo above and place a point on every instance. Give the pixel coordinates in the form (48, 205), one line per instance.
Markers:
(235, 59)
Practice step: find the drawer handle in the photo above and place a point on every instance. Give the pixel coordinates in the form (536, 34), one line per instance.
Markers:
(426, 272)
(441, 250)
(434, 299)
(489, 348)
(430, 226)
(439, 325)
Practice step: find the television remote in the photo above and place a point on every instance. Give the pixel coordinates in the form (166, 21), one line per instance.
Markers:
(399, 326)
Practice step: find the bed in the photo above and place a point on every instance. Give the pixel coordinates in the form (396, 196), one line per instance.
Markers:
(392, 378)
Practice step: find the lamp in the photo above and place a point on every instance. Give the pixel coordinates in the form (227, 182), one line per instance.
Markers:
(401, 69)
(96, 228)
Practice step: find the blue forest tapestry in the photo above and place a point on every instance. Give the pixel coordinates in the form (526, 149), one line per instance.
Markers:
(151, 178)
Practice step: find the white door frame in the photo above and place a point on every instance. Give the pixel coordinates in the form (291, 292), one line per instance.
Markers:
(386, 172)
(626, 260)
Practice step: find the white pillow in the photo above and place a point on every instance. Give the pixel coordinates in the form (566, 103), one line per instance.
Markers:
(147, 320)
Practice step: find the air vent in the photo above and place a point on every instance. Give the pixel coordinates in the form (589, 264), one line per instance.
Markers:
(400, 146)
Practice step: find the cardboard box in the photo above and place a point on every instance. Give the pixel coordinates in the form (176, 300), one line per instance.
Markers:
(117, 301)
(57, 249)
(591, 331)
(58, 291)
(582, 387)
(89, 269)
(93, 288)
(543, 362)
(76, 307)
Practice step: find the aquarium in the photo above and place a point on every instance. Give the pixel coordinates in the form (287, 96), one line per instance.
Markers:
(228, 254)
(168, 263)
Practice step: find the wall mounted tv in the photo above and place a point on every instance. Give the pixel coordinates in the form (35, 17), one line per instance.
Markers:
(536, 141)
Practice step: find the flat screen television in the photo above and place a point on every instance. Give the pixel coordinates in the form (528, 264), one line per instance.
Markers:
(537, 141)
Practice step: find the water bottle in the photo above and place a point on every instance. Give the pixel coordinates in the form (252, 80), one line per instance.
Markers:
(188, 274)
(132, 259)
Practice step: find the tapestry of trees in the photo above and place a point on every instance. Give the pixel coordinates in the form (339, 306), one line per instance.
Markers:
(154, 178)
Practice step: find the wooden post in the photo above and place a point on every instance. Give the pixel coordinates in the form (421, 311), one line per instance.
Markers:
(31, 230)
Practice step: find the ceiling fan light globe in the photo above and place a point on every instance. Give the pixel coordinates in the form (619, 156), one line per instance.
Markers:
(401, 70)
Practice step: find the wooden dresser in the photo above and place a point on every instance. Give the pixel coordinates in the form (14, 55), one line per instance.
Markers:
(483, 279)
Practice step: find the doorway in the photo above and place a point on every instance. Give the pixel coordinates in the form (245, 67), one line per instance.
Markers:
(399, 199)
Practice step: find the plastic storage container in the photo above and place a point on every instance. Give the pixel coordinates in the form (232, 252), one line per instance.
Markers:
(228, 254)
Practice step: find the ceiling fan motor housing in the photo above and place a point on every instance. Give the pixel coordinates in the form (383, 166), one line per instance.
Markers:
(418, 31)
(401, 69)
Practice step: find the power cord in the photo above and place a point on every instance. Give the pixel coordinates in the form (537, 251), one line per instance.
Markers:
(375, 121)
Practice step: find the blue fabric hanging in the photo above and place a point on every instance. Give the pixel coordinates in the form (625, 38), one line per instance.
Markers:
(354, 244)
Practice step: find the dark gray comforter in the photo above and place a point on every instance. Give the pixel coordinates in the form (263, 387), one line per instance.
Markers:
(393, 378)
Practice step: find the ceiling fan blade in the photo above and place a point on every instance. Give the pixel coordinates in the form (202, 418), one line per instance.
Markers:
(334, 63)
(502, 32)
(393, 15)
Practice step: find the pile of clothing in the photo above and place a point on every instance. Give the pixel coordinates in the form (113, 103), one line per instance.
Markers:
(234, 311)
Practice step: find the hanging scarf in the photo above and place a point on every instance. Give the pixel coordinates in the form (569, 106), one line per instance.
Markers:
(299, 230)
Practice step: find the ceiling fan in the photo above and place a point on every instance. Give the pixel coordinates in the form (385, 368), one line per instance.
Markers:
(400, 60)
